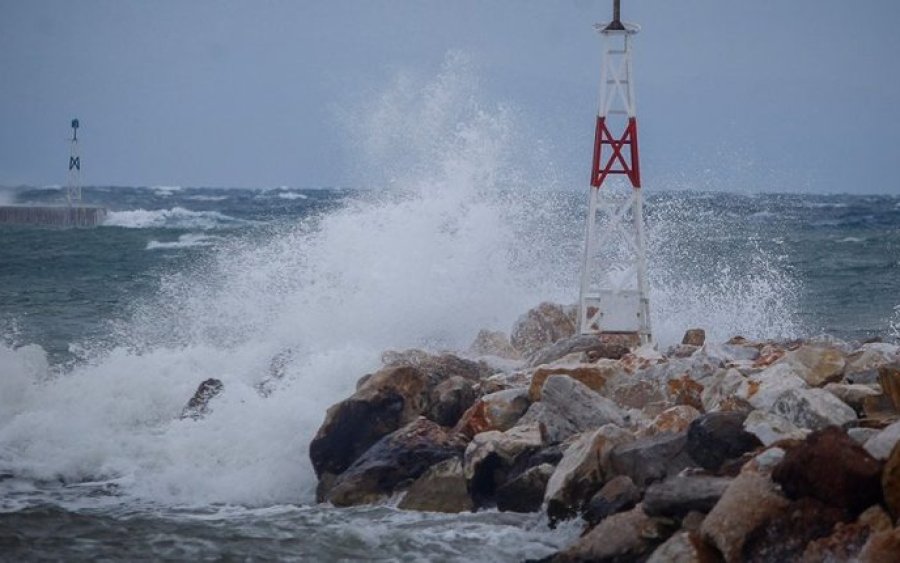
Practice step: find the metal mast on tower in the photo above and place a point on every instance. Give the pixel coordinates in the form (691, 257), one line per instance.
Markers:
(614, 296)
(73, 187)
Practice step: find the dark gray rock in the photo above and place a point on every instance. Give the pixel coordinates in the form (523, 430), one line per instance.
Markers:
(677, 496)
(450, 399)
(717, 437)
(568, 407)
(525, 492)
(440, 489)
(198, 406)
(617, 495)
(394, 462)
(652, 459)
(590, 344)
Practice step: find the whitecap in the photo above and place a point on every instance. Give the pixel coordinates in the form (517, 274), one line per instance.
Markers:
(292, 195)
(173, 218)
(184, 241)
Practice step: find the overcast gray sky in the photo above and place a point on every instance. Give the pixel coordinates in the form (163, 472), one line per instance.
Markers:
(787, 95)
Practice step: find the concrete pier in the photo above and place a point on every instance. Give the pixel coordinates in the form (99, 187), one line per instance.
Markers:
(56, 216)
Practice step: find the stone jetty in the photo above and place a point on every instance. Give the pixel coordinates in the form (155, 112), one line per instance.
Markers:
(55, 216)
(746, 450)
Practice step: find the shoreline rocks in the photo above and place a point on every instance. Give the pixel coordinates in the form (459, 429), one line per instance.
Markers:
(737, 451)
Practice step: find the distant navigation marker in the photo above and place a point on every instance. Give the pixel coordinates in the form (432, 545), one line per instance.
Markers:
(73, 187)
(75, 214)
(613, 299)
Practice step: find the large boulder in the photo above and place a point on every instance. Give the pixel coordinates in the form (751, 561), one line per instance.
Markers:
(594, 376)
(853, 394)
(385, 401)
(500, 411)
(442, 488)
(718, 437)
(847, 540)
(890, 482)
(862, 365)
(652, 459)
(719, 392)
(817, 365)
(490, 457)
(568, 407)
(525, 491)
(830, 467)
(543, 325)
(786, 536)
(494, 343)
(748, 502)
(450, 399)
(678, 495)
(770, 428)
(582, 471)
(626, 536)
(672, 420)
(881, 445)
(763, 388)
(684, 547)
(394, 462)
(812, 408)
(889, 379)
(881, 547)
(617, 495)
(592, 347)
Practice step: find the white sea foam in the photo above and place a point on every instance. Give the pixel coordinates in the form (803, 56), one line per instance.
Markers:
(292, 195)
(173, 218)
(459, 244)
(207, 197)
(184, 241)
(166, 191)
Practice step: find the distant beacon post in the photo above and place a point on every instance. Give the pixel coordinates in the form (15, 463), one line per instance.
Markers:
(73, 187)
(613, 299)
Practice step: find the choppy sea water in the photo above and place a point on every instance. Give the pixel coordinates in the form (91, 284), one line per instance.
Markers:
(108, 331)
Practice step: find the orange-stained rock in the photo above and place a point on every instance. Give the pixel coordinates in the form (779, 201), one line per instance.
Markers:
(686, 391)
(496, 411)
(694, 337)
(543, 325)
(882, 547)
(674, 419)
(890, 482)
(749, 502)
(817, 365)
(494, 343)
(831, 467)
(889, 379)
(847, 540)
(594, 376)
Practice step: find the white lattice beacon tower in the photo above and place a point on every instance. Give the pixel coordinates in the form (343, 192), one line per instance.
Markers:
(614, 299)
(73, 186)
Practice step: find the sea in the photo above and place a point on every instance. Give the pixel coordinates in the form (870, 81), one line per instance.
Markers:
(107, 331)
(460, 219)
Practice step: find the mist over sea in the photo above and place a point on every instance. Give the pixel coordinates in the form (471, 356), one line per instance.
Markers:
(107, 332)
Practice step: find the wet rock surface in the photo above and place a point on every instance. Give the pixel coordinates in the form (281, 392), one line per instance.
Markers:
(717, 437)
(394, 462)
(830, 467)
(198, 406)
(739, 451)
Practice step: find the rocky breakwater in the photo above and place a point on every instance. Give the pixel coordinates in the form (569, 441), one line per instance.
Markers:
(736, 451)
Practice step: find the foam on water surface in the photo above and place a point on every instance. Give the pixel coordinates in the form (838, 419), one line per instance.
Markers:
(463, 240)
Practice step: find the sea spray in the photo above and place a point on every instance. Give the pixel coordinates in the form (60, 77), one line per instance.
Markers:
(465, 238)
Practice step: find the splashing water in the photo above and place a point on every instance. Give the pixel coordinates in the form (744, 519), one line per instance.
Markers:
(462, 241)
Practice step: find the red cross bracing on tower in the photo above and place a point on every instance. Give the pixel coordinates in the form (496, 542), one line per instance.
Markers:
(621, 154)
